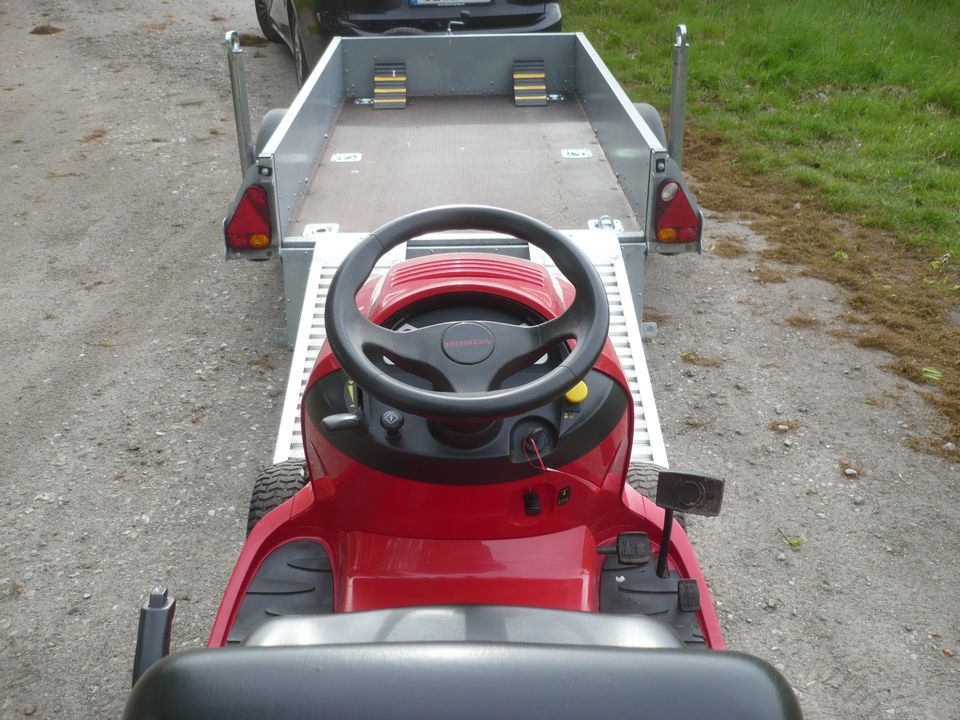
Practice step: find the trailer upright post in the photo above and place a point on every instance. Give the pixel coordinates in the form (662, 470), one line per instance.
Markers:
(678, 95)
(241, 106)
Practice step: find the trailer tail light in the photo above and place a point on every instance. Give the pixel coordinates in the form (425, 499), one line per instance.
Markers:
(677, 221)
(249, 227)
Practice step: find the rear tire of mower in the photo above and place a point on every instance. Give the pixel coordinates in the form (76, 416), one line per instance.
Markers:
(274, 486)
(643, 478)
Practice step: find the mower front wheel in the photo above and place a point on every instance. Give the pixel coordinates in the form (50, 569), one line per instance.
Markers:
(275, 485)
(643, 478)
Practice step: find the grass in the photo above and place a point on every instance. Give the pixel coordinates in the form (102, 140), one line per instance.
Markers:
(692, 357)
(834, 128)
(729, 248)
(803, 321)
(46, 30)
(855, 103)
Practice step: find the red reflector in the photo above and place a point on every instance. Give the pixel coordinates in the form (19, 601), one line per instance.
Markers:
(676, 219)
(249, 228)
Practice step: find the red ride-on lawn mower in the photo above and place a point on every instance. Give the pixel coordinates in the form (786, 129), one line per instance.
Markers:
(463, 542)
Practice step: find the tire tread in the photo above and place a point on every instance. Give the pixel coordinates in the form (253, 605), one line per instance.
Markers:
(274, 486)
(643, 478)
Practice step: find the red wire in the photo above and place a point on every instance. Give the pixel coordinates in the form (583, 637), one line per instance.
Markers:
(533, 444)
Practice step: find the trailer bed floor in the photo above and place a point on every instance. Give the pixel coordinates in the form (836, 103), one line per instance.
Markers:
(477, 150)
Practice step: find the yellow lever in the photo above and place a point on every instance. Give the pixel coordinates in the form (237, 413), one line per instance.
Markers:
(577, 394)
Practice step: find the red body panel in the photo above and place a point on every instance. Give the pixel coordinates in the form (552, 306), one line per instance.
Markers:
(398, 542)
(545, 571)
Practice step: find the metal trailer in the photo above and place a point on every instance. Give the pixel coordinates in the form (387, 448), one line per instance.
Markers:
(533, 123)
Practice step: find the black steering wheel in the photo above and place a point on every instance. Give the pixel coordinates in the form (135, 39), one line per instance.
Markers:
(466, 361)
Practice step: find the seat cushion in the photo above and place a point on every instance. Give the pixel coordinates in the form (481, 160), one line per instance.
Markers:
(467, 681)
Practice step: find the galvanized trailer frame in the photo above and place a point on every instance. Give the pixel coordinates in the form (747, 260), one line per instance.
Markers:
(588, 162)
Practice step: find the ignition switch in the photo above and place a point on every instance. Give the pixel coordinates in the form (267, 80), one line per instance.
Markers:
(392, 421)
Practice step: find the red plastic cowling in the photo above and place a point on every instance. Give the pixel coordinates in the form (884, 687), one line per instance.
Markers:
(414, 280)
(249, 226)
(677, 221)
(392, 541)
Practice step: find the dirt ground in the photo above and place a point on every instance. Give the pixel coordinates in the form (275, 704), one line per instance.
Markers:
(144, 386)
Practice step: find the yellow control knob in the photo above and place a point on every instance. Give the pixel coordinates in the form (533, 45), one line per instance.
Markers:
(577, 394)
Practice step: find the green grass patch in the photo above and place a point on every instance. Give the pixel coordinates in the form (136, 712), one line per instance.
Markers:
(856, 103)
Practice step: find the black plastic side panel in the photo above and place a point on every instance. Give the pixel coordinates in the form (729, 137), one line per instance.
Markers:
(153, 633)
(641, 592)
(294, 580)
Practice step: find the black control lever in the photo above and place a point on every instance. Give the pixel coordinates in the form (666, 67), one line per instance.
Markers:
(686, 492)
(342, 421)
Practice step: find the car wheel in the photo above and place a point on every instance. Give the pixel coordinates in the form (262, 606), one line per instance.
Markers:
(404, 31)
(268, 125)
(299, 54)
(652, 117)
(274, 486)
(266, 26)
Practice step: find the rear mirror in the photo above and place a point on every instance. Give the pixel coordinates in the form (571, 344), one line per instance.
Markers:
(689, 492)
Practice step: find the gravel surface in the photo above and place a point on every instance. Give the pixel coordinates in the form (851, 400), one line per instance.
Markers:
(834, 556)
(145, 387)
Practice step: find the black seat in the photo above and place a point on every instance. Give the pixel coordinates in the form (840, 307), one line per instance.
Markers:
(467, 681)
(466, 623)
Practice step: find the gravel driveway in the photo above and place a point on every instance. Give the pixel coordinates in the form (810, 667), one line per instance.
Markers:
(144, 386)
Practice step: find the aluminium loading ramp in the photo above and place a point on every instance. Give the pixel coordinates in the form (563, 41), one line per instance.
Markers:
(602, 247)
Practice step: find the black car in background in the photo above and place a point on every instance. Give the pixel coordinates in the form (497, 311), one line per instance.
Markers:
(306, 26)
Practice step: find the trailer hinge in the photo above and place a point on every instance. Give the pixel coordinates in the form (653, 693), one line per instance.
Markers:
(314, 229)
(632, 239)
(605, 222)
